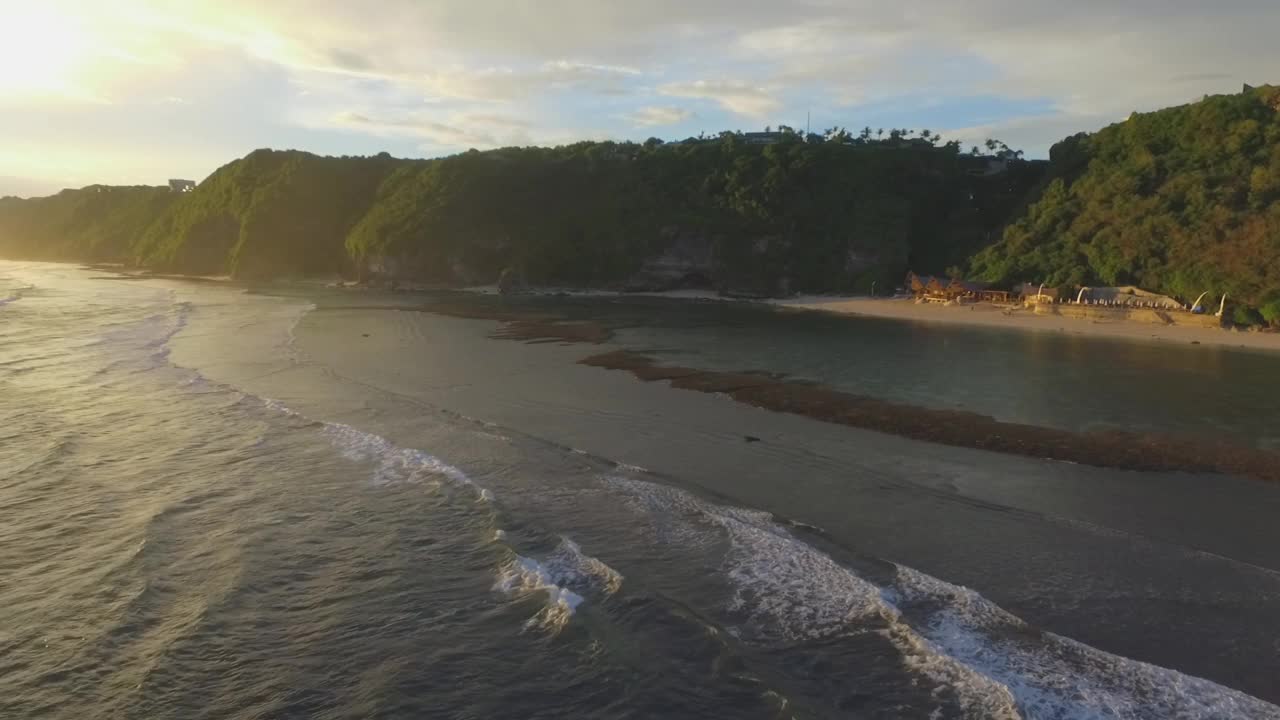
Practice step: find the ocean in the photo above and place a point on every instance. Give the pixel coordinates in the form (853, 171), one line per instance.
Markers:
(299, 502)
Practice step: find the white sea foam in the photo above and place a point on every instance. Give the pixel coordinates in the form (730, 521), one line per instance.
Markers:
(569, 565)
(567, 575)
(392, 464)
(143, 344)
(789, 591)
(523, 576)
(1056, 677)
(291, 339)
(786, 589)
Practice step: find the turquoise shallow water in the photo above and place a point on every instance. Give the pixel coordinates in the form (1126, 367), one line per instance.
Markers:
(242, 505)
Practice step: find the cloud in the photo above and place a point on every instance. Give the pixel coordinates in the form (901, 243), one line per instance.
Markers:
(459, 131)
(1033, 133)
(735, 96)
(348, 60)
(446, 75)
(655, 115)
(507, 83)
(28, 187)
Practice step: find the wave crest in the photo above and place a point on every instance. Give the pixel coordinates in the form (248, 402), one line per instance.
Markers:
(787, 591)
(567, 575)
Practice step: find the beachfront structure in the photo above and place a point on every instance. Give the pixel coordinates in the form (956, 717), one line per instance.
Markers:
(181, 186)
(995, 296)
(940, 289)
(957, 289)
(762, 138)
(1127, 296)
(1031, 292)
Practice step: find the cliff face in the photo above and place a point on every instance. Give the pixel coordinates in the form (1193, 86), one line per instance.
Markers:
(718, 213)
(268, 214)
(687, 262)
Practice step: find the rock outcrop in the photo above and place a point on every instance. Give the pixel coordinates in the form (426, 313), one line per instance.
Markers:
(688, 262)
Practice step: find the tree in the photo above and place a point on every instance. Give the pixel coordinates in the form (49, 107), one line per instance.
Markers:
(1172, 200)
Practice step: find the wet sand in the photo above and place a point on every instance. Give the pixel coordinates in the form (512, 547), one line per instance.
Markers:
(774, 391)
(1114, 449)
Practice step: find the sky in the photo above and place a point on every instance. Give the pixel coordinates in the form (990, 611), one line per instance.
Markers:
(139, 91)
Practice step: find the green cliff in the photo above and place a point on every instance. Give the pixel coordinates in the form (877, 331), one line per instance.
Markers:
(268, 214)
(787, 215)
(795, 215)
(97, 223)
(1180, 201)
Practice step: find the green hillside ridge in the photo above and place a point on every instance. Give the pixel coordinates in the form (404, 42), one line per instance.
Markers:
(269, 214)
(834, 215)
(1180, 201)
(827, 216)
(97, 223)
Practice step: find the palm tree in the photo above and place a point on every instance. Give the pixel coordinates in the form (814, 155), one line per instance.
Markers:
(879, 133)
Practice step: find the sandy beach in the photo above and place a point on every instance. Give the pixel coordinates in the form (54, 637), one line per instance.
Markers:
(984, 315)
(1025, 319)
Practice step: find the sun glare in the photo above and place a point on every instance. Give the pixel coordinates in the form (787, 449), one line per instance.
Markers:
(40, 51)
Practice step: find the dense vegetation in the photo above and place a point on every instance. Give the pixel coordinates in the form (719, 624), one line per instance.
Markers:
(267, 214)
(1179, 201)
(96, 223)
(1182, 201)
(817, 216)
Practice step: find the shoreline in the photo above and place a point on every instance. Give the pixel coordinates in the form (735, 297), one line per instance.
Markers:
(993, 316)
(978, 315)
(902, 309)
(1123, 450)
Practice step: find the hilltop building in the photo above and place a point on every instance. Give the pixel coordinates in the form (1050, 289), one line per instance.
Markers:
(763, 138)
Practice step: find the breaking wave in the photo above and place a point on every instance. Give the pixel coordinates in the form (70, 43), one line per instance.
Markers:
(566, 576)
(1056, 677)
(392, 463)
(146, 339)
(786, 591)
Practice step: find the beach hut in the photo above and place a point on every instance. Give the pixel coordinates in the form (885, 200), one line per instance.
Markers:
(1033, 293)
(936, 289)
(963, 289)
(916, 284)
